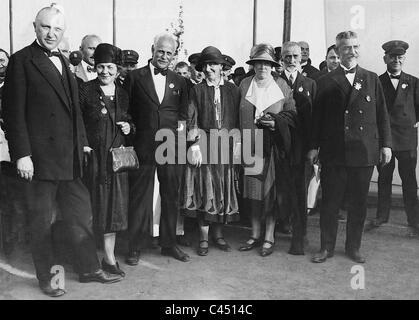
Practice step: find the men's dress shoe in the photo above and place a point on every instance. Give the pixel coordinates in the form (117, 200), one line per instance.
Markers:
(182, 241)
(99, 276)
(112, 268)
(355, 256)
(132, 258)
(203, 251)
(297, 248)
(176, 253)
(49, 291)
(250, 246)
(264, 252)
(413, 232)
(321, 256)
(375, 223)
(221, 244)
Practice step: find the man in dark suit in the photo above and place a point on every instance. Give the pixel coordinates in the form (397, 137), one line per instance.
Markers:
(158, 101)
(332, 61)
(350, 134)
(306, 68)
(401, 91)
(304, 91)
(46, 138)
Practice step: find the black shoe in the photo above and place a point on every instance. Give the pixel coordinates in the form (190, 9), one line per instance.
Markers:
(202, 251)
(297, 248)
(354, 255)
(321, 256)
(264, 252)
(132, 258)
(221, 244)
(112, 268)
(176, 253)
(250, 246)
(46, 288)
(375, 223)
(182, 241)
(99, 276)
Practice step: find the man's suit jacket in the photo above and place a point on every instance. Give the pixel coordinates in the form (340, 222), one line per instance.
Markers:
(403, 109)
(309, 71)
(42, 119)
(149, 115)
(304, 90)
(350, 123)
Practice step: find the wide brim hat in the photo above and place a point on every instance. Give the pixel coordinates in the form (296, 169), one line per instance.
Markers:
(210, 54)
(264, 56)
(107, 53)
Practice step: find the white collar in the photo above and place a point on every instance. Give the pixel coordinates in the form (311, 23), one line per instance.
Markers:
(85, 65)
(344, 68)
(303, 64)
(392, 74)
(294, 73)
(213, 85)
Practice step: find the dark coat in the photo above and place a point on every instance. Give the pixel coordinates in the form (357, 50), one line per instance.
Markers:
(309, 71)
(403, 109)
(41, 119)
(149, 115)
(350, 124)
(304, 90)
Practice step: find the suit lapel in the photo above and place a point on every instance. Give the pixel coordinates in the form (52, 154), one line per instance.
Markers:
(170, 79)
(402, 87)
(359, 82)
(389, 91)
(339, 77)
(48, 70)
(298, 82)
(147, 83)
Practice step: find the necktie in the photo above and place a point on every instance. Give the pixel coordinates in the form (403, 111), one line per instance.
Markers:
(291, 80)
(349, 71)
(395, 77)
(90, 69)
(163, 72)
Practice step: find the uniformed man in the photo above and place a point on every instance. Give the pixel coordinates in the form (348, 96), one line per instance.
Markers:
(306, 68)
(304, 90)
(85, 71)
(129, 63)
(228, 68)
(350, 134)
(401, 91)
(196, 76)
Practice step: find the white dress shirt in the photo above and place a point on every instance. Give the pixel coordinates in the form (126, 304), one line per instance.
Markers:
(294, 75)
(159, 83)
(349, 76)
(55, 60)
(89, 75)
(394, 82)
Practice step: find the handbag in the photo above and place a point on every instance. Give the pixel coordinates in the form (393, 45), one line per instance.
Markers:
(123, 158)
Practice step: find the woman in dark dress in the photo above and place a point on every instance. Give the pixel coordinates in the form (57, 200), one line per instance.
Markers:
(104, 105)
(209, 183)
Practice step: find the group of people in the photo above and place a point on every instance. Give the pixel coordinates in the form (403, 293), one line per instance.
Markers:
(213, 140)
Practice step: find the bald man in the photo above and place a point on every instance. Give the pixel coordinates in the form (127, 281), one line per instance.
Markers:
(85, 71)
(47, 141)
(307, 69)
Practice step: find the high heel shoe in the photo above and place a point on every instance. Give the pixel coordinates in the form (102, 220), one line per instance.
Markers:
(202, 251)
(112, 268)
(264, 252)
(222, 246)
(250, 246)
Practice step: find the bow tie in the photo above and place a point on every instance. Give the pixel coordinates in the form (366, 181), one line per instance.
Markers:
(50, 53)
(395, 77)
(349, 71)
(163, 72)
(90, 69)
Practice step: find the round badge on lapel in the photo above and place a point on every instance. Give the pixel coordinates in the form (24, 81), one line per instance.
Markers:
(171, 86)
(368, 98)
(104, 111)
(300, 89)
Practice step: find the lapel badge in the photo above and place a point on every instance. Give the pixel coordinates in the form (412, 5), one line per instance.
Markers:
(104, 111)
(102, 103)
(358, 86)
(300, 89)
(305, 74)
(308, 93)
(404, 86)
(171, 86)
(368, 98)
